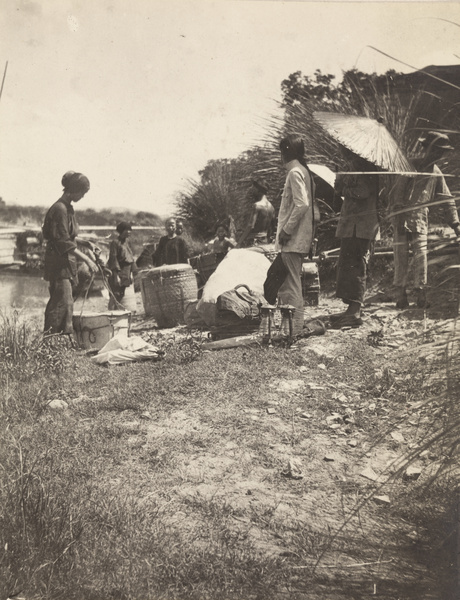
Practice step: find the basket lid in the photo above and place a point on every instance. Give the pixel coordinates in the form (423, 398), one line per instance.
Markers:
(106, 313)
(168, 271)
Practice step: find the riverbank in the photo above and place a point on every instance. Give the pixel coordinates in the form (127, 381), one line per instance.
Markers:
(320, 471)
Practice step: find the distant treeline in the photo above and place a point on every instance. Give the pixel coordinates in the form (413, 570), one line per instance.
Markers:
(34, 215)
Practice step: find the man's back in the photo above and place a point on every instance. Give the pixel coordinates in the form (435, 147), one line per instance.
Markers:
(264, 217)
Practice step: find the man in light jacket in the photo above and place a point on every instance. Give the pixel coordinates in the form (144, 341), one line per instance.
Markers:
(295, 224)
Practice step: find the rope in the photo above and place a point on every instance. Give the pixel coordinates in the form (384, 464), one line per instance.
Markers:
(86, 294)
(109, 289)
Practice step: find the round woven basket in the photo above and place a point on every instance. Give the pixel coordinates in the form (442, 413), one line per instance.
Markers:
(166, 292)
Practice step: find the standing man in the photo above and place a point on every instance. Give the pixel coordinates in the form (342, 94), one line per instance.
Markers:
(60, 230)
(357, 227)
(171, 249)
(121, 263)
(295, 224)
(260, 226)
(413, 197)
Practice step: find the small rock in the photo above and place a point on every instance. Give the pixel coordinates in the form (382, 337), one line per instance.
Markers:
(352, 443)
(412, 472)
(334, 418)
(58, 405)
(322, 366)
(146, 415)
(305, 415)
(293, 469)
(291, 385)
(334, 426)
(397, 436)
(303, 369)
(329, 458)
(368, 473)
(271, 411)
(315, 386)
(384, 500)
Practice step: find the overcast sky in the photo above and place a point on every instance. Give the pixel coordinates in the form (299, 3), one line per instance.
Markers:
(140, 94)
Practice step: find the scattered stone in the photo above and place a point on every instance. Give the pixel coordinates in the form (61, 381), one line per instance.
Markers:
(412, 472)
(305, 415)
(271, 411)
(383, 500)
(334, 418)
(397, 436)
(352, 443)
(315, 386)
(329, 458)
(293, 469)
(368, 473)
(58, 405)
(146, 415)
(322, 366)
(290, 385)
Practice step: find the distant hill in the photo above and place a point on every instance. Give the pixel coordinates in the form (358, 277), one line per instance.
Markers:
(34, 215)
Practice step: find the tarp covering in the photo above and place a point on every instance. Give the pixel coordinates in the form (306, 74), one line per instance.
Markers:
(240, 266)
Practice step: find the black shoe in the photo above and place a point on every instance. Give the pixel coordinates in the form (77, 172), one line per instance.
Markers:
(347, 321)
(336, 317)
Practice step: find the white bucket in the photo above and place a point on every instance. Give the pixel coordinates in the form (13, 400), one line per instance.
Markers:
(94, 330)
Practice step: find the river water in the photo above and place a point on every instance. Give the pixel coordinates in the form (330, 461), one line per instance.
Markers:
(30, 295)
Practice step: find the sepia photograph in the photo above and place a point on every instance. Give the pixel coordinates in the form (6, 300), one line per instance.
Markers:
(229, 292)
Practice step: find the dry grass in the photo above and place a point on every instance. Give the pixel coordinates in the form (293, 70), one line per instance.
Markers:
(165, 480)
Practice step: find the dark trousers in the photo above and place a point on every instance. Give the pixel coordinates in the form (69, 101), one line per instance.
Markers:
(59, 310)
(352, 269)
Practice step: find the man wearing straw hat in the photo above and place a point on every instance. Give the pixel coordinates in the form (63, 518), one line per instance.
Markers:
(413, 197)
(357, 228)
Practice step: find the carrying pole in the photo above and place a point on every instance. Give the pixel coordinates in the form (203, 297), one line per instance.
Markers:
(4, 77)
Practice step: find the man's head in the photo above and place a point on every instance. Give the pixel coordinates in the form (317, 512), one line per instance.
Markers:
(75, 185)
(124, 229)
(292, 147)
(222, 231)
(179, 226)
(170, 227)
(435, 144)
(259, 188)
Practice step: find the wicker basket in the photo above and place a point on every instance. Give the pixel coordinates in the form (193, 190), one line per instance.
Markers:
(166, 292)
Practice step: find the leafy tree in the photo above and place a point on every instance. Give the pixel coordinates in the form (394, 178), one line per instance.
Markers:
(222, 191)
